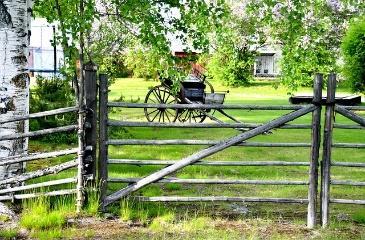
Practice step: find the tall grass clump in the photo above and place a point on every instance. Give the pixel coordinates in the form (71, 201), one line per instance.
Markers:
(140, 211)
(8, 233)
(42, 213)
(92, 203)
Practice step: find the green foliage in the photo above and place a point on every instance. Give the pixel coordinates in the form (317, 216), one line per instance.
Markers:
(72, 23)
(309, 32)
(114, 66)
(232, 66)
(353, 49)
(235, 42)
(48, 94)
(145, 62)
(114, 26)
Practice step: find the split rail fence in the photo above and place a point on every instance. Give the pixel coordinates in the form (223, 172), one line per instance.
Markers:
(27, 184)
(16, 187)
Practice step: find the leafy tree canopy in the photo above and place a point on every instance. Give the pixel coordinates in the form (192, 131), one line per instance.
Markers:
(108, 25)
(309, 32)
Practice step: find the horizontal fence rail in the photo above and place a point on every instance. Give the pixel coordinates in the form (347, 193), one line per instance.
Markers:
(220, 199)
(213, 181)
(347, 182)
(39, 132)
(39, 173)
(208, 163)
(347, 164)
(347, 201)
(206, 106)
(354, 108)
(115, 123)
(38, 185)
(40, 114)
(348, 145)
(347, 126)
(36, 156)
(35, 195)
(199, 142)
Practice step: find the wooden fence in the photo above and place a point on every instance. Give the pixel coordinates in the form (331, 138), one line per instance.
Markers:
(16, 187)
(85, 154)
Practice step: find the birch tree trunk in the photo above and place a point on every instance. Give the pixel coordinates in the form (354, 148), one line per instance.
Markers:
(15, 18)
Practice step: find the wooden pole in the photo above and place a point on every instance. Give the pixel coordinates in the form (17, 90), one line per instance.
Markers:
(103, 137)
(207, 152)
(327, 144)
(314, 155)
(90, 121)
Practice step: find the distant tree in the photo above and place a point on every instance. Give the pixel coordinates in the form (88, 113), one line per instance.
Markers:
(353, 48)
(234, 45)
(14, 80)
(309, 31)
(145, 62)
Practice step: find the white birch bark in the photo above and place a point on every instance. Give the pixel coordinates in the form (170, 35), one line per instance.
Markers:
(15, 17)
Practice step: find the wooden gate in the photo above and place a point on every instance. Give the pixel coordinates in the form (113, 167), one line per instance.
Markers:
(160, 176)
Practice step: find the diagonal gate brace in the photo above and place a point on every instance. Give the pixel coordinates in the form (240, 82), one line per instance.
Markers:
(206, 152)
(350, 115)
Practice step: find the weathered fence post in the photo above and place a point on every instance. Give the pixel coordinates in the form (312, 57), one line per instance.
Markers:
(90, 121)
(327, 143)
(316, 139)
(103, 137)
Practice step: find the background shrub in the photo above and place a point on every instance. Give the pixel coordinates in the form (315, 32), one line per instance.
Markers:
(48, 94)
(353, 49)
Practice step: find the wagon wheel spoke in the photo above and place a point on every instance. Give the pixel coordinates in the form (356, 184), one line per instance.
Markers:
(155, 116)
(190, 113)
(163, 98)
(168, 112)
(167, 116)
(152, 112)
(157, 95)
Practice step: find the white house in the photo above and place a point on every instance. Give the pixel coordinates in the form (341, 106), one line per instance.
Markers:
(267, 61)
(43, 57)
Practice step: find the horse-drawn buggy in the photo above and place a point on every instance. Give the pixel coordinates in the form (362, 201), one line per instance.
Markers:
(194, 89)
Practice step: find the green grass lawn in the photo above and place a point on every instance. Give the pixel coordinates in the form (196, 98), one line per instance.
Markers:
(259, 93)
